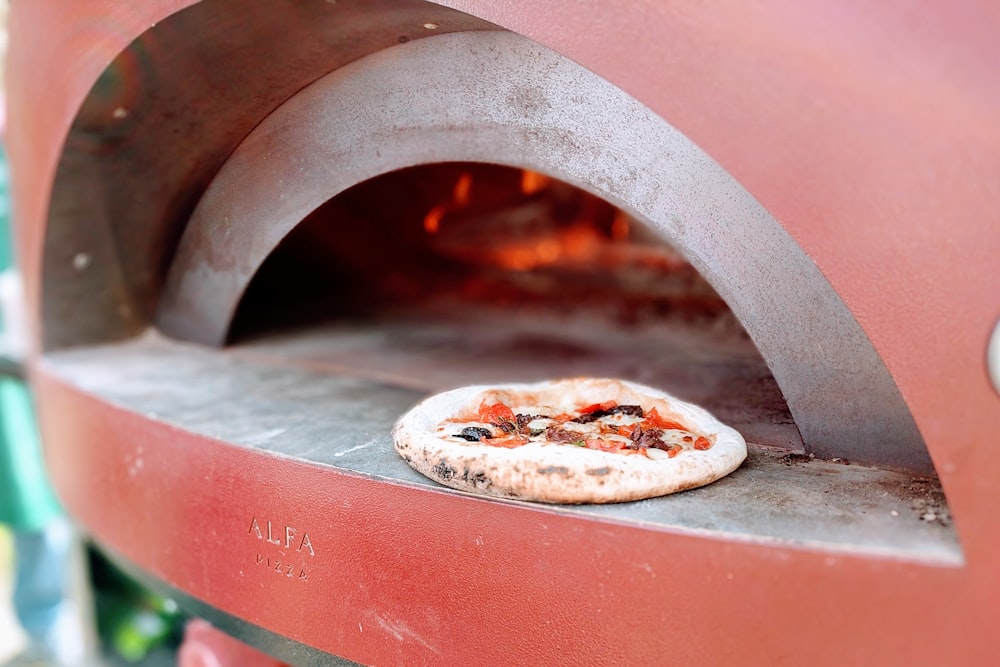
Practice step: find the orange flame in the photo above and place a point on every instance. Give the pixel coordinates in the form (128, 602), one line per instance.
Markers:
(460, 195)
(459, 199)
(432, 221)
(532, 182)
(620, 226)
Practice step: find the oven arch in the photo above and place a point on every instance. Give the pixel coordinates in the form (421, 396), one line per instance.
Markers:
(497, 97)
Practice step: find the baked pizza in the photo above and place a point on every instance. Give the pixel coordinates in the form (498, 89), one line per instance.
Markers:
(581, 440)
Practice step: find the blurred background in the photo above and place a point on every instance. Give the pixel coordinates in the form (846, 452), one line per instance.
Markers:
(61, 602)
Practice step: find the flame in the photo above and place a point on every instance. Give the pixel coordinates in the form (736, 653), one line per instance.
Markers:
(432, 221)
(521, 248)
(459, 199)
(620, 226)
(460, 195)
(532, 182)
(576, 244)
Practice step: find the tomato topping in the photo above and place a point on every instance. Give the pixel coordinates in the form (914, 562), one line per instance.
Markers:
(674, 451)
(654, 419)
(601, 444)
(509, 442)
(606, 405)
(702, 443)
(495, 414)
(627, 429)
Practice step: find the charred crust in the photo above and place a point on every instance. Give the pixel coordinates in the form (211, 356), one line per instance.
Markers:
(479, 480)
(599, 471)
(444, 471)
(553, 470)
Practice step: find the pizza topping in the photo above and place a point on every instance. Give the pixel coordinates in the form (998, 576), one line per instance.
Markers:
(506, 426)
(643, 438)
(594, 412)
(474, 434)
(510, 441)
(565, 436)
(496, 414)
(654, 418)
(605, 406)
(606, 426)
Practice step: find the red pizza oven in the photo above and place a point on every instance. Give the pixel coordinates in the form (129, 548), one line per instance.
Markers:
(255, 233)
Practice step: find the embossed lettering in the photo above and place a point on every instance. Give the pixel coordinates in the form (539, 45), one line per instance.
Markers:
(270, 538)
(289, 571)
(286, 538)
(306, 543)
(272, 534)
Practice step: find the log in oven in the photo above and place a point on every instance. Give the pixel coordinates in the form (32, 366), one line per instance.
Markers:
(255, 234)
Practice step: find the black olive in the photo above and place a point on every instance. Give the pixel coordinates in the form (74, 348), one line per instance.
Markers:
(474, 434)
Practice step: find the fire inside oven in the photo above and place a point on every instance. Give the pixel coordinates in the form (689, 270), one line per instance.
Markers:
(473, 273)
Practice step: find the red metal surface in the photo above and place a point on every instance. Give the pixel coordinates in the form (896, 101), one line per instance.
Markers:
(408, 576)
(870, 132)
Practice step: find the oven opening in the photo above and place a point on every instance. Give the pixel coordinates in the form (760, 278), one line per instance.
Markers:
(449, 274)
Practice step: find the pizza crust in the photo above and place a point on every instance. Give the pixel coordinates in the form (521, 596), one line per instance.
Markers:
(559, 473)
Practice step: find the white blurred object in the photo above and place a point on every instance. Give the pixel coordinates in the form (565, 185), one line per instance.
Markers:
(13, 640)
(993, 357)
(13, 332)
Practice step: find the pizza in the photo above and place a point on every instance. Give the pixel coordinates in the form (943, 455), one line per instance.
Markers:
(580, 440)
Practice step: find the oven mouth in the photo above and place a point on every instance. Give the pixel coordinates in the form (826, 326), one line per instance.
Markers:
(451, 274)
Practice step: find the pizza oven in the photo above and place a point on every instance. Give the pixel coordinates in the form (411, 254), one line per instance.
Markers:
(254, 236)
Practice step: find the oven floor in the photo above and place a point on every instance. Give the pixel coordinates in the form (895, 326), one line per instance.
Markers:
(446, 343)
(308, 397)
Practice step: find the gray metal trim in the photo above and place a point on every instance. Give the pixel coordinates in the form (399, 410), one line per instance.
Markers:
(501, 98)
